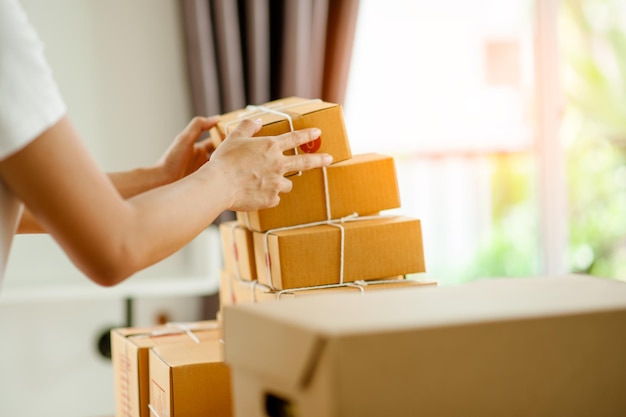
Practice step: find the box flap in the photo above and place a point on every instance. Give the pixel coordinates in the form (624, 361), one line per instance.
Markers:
(475, 302)
(281, 352)
(182, 354)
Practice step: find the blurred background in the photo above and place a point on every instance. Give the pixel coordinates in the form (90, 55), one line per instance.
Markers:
(506, 118)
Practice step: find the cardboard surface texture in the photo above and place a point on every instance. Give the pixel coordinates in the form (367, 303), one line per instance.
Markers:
(129, 354)
(190, 380)
(238, 250)
(373, 249)
(365, 184)
(304, 113)
(503, 347)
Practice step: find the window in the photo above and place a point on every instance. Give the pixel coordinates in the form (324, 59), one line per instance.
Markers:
(463, 95)
(593, 56)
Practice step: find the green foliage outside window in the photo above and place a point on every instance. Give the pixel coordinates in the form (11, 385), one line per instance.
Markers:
(593, 45)
(511, 246)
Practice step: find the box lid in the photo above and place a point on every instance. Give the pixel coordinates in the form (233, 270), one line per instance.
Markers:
(289, 337)
(190, 353)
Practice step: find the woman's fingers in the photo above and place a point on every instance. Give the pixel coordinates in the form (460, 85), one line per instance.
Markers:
(196, 126)
(246, 128)
(304, 162)
(255, 167)
(296, 138)
(285, 141)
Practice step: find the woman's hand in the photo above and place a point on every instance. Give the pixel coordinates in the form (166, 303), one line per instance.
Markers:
(185, 155)
(252, 169)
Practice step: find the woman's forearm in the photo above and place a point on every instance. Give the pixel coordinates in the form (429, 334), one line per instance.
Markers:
(128, 184)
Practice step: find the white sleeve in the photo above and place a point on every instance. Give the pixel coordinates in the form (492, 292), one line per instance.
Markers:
(30, 101)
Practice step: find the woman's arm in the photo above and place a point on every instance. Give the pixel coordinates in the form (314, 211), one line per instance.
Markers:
(184, 156)
(109, 237)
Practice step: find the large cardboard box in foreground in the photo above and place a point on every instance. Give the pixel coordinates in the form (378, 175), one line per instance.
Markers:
(365, 184)
(509, 347)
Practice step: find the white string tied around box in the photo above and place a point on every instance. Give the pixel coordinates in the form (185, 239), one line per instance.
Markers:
(320, 287)
(173, 328)
(254, 111)
(359, 284)
(265, 109)
(253, 287)
(153, 411)
(333, 222)
(189, 328)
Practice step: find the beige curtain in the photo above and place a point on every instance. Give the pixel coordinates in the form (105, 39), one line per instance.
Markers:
(251, 51)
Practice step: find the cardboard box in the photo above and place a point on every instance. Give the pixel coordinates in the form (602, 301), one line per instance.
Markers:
(304, 113)
(359, 287)
(238, 250)
(365, 184)
(507, 347)
(226, 292)
(234, 291)
(373, 249)
(190, 380)
(129, 354)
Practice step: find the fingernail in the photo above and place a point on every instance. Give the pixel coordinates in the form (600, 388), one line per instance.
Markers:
(316, 133)
(257, 121)
(327, 159)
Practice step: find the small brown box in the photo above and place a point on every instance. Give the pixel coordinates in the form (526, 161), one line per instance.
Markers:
(374, 248)
(190, 380)
(235, 291)
(129, 354)
(365, 184)
(303, 113)
(394, 283)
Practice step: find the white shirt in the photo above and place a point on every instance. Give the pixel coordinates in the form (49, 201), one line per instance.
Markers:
(30, 103)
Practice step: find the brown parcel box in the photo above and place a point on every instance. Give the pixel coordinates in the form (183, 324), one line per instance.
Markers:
(234, 291)
(190, 380)
(364, 184)
(238, 250)
(509, 347)
(129, 354)
(375, 248)
(304, 113)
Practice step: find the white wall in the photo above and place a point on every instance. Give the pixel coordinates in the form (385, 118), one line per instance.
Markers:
(120, 66)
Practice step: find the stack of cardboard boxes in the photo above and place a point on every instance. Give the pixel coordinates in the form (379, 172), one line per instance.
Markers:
(170, 370)
(327, 234)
